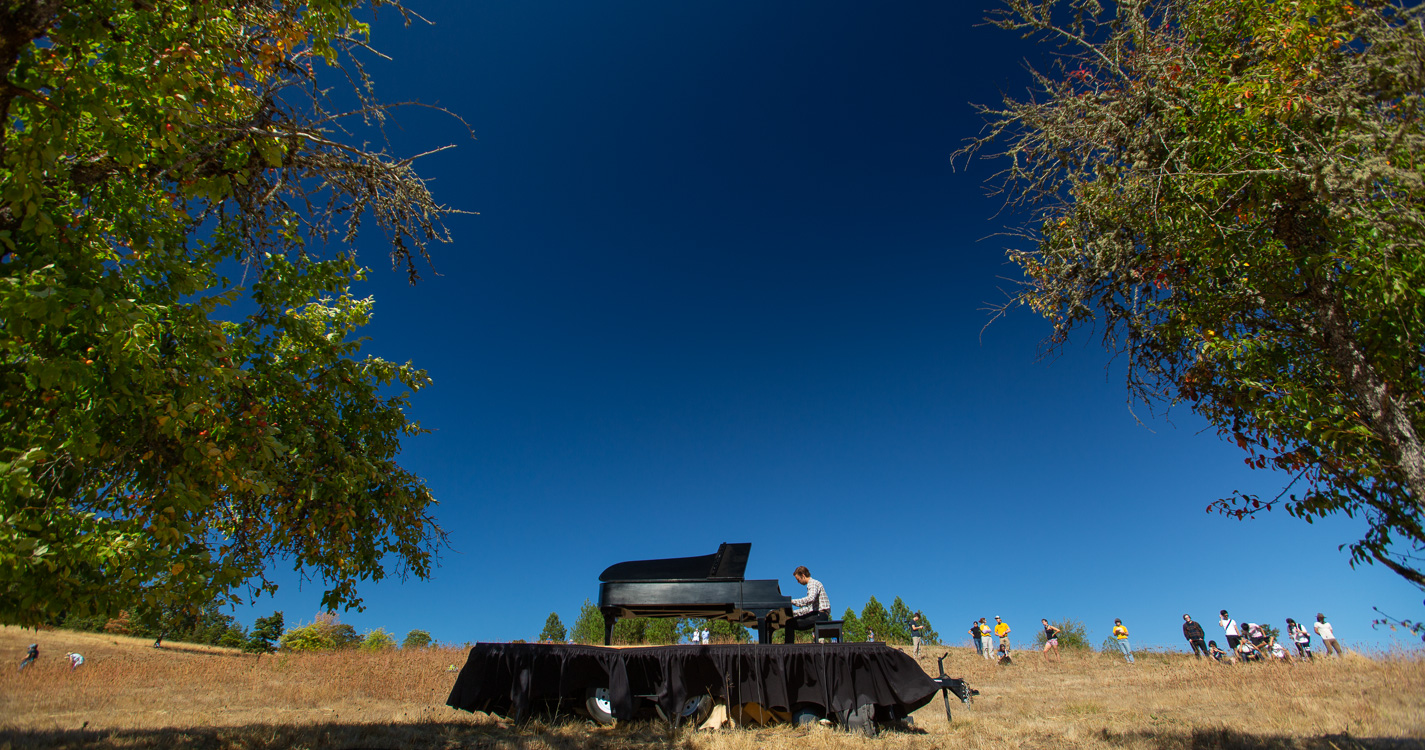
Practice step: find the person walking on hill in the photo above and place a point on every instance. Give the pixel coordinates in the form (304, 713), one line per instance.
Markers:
(1051, 640)
(1121, 634)
(1193, 633)
(915, 630)
(986, 634)
(1300, 637)
(1002, 630)
(975, 639)
(30, 656)
(1229, 626)
(1328, 636)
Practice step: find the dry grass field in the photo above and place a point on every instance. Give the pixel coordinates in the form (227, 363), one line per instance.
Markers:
(130, 695)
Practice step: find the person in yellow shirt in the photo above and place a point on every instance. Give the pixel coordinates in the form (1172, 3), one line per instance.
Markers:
(1002, 631)
(1121, 633)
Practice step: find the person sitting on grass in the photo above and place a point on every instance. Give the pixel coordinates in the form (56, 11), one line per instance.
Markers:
(1004, 655)
(1217, 653)
(1278, 651)
(1247, 652)
(30, 656)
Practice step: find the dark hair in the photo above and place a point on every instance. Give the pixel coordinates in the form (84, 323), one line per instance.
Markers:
(1224, 612)
(1212, 644)
(802, 571)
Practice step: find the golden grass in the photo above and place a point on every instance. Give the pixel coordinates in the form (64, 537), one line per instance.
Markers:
(130, 695)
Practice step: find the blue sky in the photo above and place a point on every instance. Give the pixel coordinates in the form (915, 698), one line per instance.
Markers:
(725, 285)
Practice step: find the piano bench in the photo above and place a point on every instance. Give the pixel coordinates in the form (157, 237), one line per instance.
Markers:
(828, 629)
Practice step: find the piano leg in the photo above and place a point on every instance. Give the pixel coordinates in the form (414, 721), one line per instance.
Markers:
(609, 621)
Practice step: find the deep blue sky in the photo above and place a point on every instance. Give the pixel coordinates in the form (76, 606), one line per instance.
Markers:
(725, 285)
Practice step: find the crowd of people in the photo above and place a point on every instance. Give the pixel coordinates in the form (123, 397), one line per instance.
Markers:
(1248, 641)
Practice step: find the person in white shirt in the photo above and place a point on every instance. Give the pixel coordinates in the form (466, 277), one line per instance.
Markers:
(74, 661)
(1328, 638)
(1230, 626)
(695, 638)
(1279, 651)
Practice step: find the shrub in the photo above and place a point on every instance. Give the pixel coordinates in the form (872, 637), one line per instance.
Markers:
(323, 634)
(417, 639)
(378, 640)
(1072, 635)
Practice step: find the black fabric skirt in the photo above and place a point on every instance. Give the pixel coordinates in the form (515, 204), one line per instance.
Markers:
(516, 679)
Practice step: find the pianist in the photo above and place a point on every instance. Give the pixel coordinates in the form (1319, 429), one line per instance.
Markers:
(810, 609)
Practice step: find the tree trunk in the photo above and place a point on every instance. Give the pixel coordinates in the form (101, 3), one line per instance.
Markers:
(1390, 418)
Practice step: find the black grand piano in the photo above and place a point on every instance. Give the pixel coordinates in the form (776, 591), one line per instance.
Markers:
(710, 586)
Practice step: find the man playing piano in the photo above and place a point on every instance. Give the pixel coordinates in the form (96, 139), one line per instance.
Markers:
(810, 609)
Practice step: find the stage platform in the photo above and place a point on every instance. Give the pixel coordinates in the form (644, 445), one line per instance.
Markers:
(519, 680)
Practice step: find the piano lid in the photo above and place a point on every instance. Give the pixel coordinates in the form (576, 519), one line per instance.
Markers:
(727, 564)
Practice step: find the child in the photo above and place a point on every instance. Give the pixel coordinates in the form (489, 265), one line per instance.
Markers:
(34, 653)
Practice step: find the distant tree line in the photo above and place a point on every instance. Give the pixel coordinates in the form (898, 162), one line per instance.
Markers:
(892, 626)
(208, 626)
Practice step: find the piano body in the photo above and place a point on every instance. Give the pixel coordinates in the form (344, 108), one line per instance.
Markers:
(708, 586)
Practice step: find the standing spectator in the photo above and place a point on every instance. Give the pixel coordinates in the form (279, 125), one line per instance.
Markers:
(1300, 637)
(707, 637)
(870, 636)
(1229, 625)
(1328, 636)
(915, 630)
(696, 637)
(1193, 633)
(1051, 640)
(1121, 634)
(975, 639)
(34, 653)
(985, 635)
(75, 660)
(1002, 630)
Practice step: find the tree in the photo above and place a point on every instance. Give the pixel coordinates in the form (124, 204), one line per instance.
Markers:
(265, 633)
(661, 631)
(589, 626)
(875, 619)
(324, 633)
(724, 631)
(898, 623)
(852, 629)
(168, 430)
(553, 629)
(1073, 635)
(417, 639)
(378, 640)
(1231, 192)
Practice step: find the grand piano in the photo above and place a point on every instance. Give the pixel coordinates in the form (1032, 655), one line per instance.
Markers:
(708, 586)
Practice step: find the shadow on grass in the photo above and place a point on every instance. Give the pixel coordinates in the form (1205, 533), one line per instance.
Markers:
(1230, 739)
(433, 734)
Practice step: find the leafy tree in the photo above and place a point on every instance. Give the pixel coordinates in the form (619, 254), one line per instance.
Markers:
(897, 623)
(875, 619)
(553, 629)
(722, 631)
(589, 626)
(265, 634)
(661, 631)
(378, 640)
(324, 633)
(417, 639)
(631, 630)
(168, 430)
(852, 629)
(1073, 635)
(1231, 191)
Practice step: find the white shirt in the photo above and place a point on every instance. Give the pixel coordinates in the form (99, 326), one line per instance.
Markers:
(1323, 629)
(815, 600)
(695, 636)
(1229, 625)
(1278, 651)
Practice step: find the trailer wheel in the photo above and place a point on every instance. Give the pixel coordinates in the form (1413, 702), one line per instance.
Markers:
(598, 705)
(694, 711)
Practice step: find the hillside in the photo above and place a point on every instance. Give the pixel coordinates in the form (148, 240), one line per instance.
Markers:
(130, 695)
